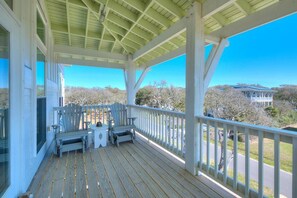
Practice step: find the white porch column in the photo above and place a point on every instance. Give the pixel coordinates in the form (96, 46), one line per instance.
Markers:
(131, 78)
(194, 84)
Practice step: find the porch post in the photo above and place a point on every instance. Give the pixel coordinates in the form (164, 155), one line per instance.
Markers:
(194, 84)
(131, 78)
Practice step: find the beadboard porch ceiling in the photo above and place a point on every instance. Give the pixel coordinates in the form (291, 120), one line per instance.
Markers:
(91, 31)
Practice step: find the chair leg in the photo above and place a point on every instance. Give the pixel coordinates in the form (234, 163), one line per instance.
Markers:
(60, 148)
(60, 152)
(84, 144)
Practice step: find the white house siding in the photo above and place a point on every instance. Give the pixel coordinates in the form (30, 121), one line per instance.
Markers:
(21, 23)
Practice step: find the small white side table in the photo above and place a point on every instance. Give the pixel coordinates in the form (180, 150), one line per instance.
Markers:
(100, 135)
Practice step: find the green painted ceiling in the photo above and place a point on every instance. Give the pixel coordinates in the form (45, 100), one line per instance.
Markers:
(125, 26)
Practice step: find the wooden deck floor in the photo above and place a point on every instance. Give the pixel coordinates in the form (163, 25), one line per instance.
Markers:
(132, 170)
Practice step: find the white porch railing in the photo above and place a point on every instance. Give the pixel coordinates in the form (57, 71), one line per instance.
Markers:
(215, 126)
(166, 128)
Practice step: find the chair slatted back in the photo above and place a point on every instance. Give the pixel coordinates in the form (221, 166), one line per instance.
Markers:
(119, 114)
(71, 115)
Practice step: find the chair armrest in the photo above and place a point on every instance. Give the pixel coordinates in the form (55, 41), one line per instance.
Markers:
(55, 127)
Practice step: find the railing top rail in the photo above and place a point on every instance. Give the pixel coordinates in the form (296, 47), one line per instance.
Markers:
(84, 107)
(251, 126)
(158, 110)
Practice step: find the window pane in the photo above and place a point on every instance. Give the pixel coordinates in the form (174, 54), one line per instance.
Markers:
(40, 28)
(41, 100)
(40, 73)
(9, 3)
(4, 109)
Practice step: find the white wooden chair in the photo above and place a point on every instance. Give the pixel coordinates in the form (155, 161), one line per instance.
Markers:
(71, 133)
(121, 127)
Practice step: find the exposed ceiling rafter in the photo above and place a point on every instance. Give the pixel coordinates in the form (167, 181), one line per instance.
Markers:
(88, 52)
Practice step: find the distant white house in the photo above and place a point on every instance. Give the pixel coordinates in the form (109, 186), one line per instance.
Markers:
(260, 96)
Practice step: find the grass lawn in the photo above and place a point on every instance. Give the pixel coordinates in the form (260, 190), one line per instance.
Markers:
(286, 152)
(253, 184)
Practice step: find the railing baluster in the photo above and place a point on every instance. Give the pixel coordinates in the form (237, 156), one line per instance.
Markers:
(173, 133)
(294, 171)
(182, 137)
(207, 146)
(276, 165)
(247, 162)
(225, 152)
(260, 164)
(177, 136)
(235, 162)
(216, 149)
(160, 129)
(201, 143)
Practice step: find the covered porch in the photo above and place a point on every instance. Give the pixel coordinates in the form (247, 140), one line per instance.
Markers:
(130, 35)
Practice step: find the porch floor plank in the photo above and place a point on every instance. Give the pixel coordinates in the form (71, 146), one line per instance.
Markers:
(80, 187)
(130, 170)
(179, 179)
(115, 181)
(168, 189)
(92, 179)
(68, 190)
(146, 178)
(58, 183)
(132, 174)
(104, 182)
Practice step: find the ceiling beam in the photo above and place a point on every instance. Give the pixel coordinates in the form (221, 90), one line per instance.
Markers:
(88, 52)
(122, 11)
(81, 62)
(80, 32)
(88, 3)
(144, 8)
(171, 7)
(157, 17)
(211, 7)
(166, 57)
(87, 28)
(279, 10)
(171, 32)
(167, 35)
(68, 23)
(244, 6)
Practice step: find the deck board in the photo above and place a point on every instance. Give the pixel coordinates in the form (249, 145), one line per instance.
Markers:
(92, 179)
(131, 170)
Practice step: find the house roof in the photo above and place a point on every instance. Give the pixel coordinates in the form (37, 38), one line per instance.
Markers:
(253, 88)
(91, 32)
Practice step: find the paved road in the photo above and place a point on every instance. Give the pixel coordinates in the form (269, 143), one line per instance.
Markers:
(285, 177)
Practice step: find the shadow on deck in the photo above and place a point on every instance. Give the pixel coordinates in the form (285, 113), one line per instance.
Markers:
(131, 170)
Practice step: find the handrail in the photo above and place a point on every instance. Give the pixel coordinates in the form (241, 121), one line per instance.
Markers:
(157, 110)
(166, 128)
(251, 126)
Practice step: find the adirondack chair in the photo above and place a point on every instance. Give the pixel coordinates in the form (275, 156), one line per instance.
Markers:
(71, 136)
(121, 128)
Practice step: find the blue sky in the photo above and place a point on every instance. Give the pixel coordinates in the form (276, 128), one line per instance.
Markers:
(266, 55)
